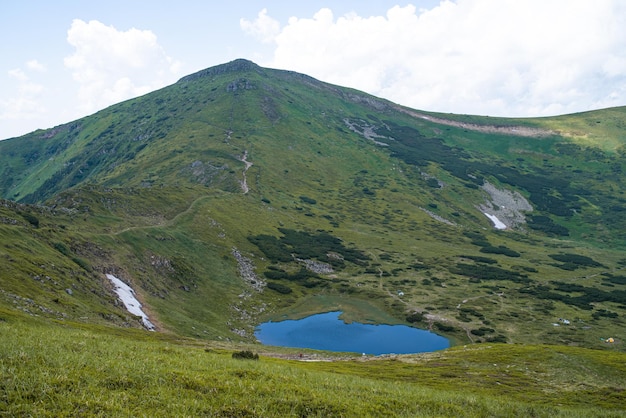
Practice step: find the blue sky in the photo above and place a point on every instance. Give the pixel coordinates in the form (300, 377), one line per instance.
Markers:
(65, 59)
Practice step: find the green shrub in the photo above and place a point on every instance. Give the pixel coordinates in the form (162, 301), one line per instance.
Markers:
(414, 317)
(32, 219)
(489, 249)
(62, 248)
(443, 327)
(483, 272)
(307, 246)
(621, 280)
(546, 225)
(308, 200)
(245, 355)
(280, 288)
(433, 182)
(482, 331)
(579, 260)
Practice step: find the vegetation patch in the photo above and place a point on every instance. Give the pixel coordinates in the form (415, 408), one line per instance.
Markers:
(614, 280)
(546, 225)
(575, 260)
(482, 272)
(582, 297)
(479, 259)
(245, 355)
(303, 245)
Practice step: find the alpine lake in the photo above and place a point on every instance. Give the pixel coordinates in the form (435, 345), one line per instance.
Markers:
(330, 331)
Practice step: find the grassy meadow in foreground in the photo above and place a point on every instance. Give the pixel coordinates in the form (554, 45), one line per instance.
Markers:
(77, 370)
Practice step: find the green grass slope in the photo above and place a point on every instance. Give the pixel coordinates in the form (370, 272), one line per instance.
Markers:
(64, 369)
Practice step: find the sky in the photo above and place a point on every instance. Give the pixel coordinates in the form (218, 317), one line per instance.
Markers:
(64, 59)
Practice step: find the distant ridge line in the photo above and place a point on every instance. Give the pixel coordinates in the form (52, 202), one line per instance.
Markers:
(494, 129)
(238, 65)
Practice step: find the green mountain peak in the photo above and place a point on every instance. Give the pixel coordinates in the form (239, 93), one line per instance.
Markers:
(236, 66)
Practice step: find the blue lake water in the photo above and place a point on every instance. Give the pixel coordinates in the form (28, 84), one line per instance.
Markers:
(327, 332)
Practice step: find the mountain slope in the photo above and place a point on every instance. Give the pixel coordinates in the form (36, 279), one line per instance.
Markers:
(241, 192)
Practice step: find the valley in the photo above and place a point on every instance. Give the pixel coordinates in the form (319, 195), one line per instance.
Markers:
(242, 194)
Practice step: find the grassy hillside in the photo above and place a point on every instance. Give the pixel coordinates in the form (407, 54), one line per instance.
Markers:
(240, 193)
(64, 369)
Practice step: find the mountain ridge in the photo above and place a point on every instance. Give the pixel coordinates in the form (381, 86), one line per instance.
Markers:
(239, 168)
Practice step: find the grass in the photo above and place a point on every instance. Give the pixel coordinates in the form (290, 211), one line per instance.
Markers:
(69, 370)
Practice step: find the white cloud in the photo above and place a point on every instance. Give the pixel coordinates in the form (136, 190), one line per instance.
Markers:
(112, 65)
(18, 74)
(264, 28)
(24, 101)
(35, 66)
(497, 57)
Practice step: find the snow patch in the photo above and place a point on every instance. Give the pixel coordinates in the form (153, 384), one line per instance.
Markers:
(506, 206)
(497, 223)
(127, 296)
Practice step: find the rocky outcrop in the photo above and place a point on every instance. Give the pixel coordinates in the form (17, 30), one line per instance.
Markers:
(246, 271)
(238, 65)
(508, 206)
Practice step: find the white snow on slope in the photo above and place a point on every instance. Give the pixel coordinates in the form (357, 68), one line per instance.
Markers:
(497, 223)
(127, 295)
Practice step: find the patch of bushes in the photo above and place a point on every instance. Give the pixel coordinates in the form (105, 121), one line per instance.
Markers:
(414, 317)
(273, 248)
(62, 248)
(280, 288)
(483, 272)
(308, 200)
(546, 225)
(433, 182)
(472, 311)
(482, 331)
(245, 355)
(444, 327)
(480, 240)
(587, 296)
(575, 259)
(621, 280)
(32, 219)
(501, 249)
(603, 313)
(497, 339)
(474, 236)
(307, 246)
(279, 274)
(419, 266)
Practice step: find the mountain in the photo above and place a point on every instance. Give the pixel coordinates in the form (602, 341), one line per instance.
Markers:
(242, 193)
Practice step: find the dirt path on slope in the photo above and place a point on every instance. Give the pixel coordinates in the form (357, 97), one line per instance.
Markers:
(492, 129)
(244, 182)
